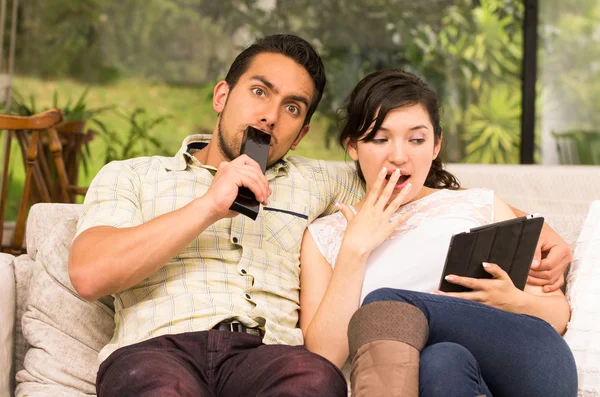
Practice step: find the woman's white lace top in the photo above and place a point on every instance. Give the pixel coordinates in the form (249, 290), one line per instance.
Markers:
(413, 256)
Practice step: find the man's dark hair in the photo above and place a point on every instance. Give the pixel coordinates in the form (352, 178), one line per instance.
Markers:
(292, 47)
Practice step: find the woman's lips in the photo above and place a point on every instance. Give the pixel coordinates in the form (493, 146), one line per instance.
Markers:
(402, 181)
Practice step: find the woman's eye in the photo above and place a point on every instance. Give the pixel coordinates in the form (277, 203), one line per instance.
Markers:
(258, 91)
(418, 140)
(379, 140)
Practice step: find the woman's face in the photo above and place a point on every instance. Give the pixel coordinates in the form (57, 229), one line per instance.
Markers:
(406, 142)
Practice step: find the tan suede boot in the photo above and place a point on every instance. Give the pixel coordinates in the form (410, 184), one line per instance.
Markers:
(386, 339)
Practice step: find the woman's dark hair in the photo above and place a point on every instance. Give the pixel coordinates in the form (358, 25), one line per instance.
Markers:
(381, 92)
(292, 47)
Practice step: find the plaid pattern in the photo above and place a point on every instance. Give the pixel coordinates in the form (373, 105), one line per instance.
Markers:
(237, 268)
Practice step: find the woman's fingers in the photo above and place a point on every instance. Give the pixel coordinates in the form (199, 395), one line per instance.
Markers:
(495, 271)
(387, 191)
(399, 200)
(375, 191)
(345, 210)
(399, 220)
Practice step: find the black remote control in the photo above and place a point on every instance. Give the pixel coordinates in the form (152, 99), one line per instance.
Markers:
(256, 145)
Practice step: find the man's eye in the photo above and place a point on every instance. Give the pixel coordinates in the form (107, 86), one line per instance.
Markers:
(258, 91)
(293, 110)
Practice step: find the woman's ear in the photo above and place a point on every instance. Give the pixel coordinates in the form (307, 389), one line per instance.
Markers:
(437, 147)
(220, 96)
(351, 148)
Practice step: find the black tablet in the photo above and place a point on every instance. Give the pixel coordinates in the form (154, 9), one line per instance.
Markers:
(510, 244)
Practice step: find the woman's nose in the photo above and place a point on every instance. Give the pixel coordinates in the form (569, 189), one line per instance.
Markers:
(397, 154)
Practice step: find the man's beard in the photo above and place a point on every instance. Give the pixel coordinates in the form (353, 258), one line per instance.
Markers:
(228, 149)
(231, 150)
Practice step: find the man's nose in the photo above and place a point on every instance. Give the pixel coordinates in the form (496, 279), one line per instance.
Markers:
(269, 116)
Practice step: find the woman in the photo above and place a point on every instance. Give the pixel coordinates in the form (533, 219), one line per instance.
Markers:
(387, 254)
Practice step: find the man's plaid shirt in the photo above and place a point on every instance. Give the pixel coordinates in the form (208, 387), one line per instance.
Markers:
(237, 268)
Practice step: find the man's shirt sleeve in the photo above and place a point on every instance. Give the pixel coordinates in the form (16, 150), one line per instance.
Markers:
(113, 198)
(344, 185)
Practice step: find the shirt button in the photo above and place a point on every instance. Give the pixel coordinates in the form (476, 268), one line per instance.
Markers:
(243, 271)
(235, 240)
(248, 296)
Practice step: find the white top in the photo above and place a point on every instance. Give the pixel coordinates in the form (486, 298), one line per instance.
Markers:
(413, 257)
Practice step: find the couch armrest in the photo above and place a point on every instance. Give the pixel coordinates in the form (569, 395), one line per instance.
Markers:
(583, 293)
(7, 319)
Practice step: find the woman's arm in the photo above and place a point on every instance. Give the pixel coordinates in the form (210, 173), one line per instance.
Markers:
(328, 298)
(500, 291)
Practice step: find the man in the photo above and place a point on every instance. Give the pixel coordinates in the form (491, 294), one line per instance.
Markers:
(206, 302)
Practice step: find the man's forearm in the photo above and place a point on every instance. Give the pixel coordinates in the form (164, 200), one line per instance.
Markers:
(105, 260)
(517, 211)
(553, 309)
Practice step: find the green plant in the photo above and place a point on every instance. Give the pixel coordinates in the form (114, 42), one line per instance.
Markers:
(79, 109)
(71, 111)
(494, 134)
(138, 141)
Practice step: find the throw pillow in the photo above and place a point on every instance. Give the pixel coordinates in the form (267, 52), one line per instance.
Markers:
(65, 331)
(7, 319)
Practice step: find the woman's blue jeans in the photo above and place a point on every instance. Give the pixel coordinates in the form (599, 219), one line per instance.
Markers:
(475, 349)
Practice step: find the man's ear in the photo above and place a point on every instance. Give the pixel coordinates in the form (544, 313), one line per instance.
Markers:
(352, 149)
(301, 135)
(220, 94)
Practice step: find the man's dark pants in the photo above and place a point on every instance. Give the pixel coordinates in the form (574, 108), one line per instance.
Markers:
(217, 364)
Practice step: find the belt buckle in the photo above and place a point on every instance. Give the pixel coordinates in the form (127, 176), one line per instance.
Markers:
(236, 327)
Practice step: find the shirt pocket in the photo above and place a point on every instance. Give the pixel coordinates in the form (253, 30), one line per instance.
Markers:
(284, 225)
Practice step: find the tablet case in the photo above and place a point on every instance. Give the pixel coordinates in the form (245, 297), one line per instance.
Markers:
(510, 244)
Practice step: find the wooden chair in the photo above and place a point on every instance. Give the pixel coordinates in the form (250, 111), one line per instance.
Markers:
(37, 137)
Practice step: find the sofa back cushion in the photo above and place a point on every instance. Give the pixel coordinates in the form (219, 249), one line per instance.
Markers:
(65, 331)
(561, 194)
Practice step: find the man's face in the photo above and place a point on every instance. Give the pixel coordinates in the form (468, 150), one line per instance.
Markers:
(273, 95)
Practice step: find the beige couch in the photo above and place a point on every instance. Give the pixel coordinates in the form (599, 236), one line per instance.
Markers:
(49, 336)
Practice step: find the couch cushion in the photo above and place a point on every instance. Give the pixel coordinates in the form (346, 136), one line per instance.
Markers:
(42, 220)
(561, 194)
(65, 331)
(583, 293)
(24, 269)
(7, 319)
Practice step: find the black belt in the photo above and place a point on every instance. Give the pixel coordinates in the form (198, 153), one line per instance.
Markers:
(237, 327)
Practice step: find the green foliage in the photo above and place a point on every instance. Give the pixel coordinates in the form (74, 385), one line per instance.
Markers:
(137, 141)
(64, 38)
(478, 49)
(461, 47)
(78, 110)
(71, 111)
(494, 135)
(571, 71)
(20, 106)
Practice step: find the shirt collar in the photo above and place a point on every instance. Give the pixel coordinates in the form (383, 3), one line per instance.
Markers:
(181, 160)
